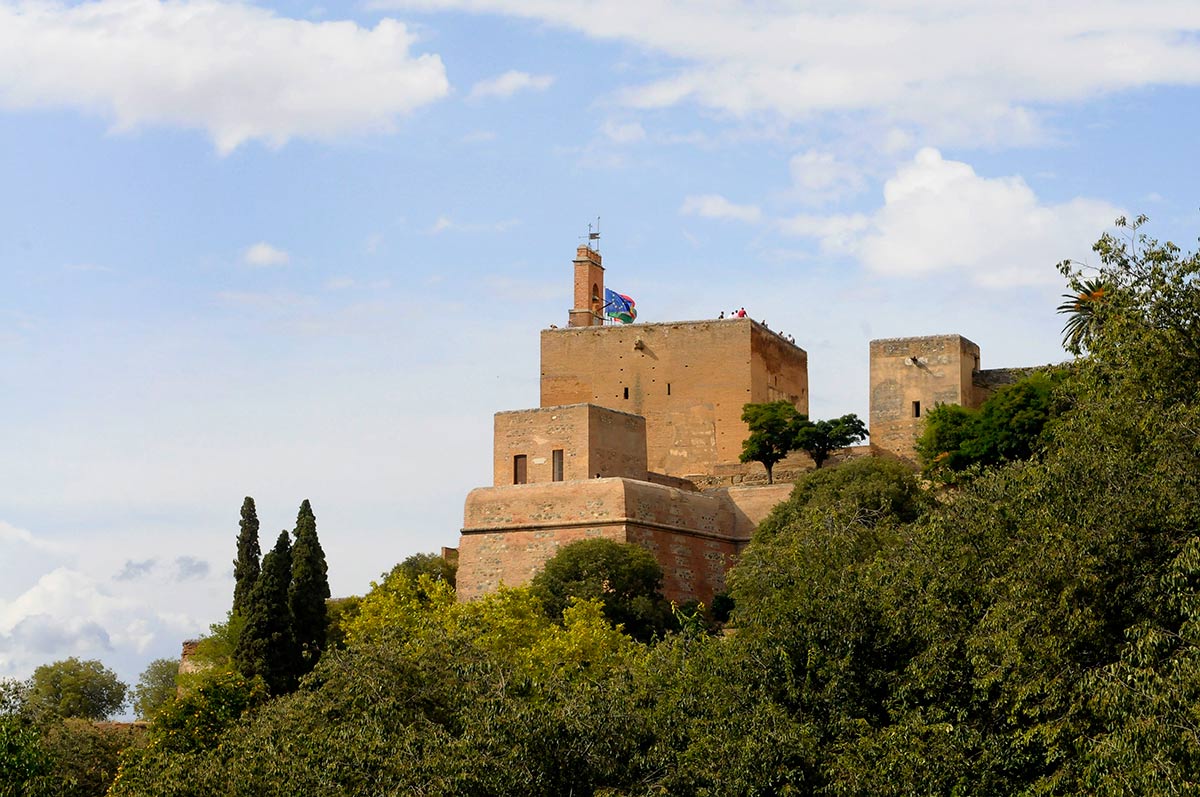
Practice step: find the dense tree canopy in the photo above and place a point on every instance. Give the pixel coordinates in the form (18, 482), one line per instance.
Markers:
(156, 687)
(75, 688)
(46, 754)
(1007, 427)
(626, 579)
(433, 564)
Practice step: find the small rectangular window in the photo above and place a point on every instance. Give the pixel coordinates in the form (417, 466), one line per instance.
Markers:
(520, 469)
(668, 388)
(626, 392)
(556, 463)
(916, 409)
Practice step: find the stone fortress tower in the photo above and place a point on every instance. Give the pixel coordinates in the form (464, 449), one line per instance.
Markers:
(639, 432)
(910, 376)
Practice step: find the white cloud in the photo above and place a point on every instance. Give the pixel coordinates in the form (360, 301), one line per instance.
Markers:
(962, 71)
(263, 254)
(837, 233)
(69, 613)
(940, 216)
(11, 535)
(234, 70)
(508, 84)
(445, 223)
(820, 176)
(624, 132)
(715, 206)
(897, 140)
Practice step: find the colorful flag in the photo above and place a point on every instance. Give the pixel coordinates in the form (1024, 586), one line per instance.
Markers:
(619, 307)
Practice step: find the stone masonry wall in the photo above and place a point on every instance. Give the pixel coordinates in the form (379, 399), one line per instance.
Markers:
(593, 440)
(689, 380)
(509, 532)
(909, 376)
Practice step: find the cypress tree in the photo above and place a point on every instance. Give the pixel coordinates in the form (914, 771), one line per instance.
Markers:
(309, 590)
(267, 645)
(246, 567)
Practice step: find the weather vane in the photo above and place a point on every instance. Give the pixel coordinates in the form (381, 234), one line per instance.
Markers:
(594, 235)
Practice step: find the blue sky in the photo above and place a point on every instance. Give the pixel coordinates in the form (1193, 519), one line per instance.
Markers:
(304, 251)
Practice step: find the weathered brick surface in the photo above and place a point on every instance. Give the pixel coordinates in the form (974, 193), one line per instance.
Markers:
(510, 531)
(588, 309)
(689, 380)
(932, 370)
(593, 440)
(747, 505)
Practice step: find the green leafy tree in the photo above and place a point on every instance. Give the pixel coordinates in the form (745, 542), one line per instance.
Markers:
(489, 697)
(1007, 427)
(772, 433)
(308, 591)
(247, 566)
(215, 649)
(433, 564)
(156, 687)
(342, 612)
(267, 646)
(397, 607)
(627, 579)
(947, 429)
(819, 439)
(1011, 421)
(85, 756)
(75, 688)
(23, 762)
(174, 758)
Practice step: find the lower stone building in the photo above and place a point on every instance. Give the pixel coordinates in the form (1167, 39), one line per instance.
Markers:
(574, 472)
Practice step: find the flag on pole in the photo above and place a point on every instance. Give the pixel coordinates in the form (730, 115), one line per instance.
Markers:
(619, 307)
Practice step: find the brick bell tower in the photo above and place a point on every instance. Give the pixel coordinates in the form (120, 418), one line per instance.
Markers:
(589, 289)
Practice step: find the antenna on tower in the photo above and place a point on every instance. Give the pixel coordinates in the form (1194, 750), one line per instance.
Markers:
(594, 235)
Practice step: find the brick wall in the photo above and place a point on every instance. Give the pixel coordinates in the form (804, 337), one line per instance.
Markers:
(593, 440)
(689, 380)
(509, 532)
(929, 370)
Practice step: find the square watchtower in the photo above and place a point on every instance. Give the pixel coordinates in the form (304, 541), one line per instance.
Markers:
(909, 377)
